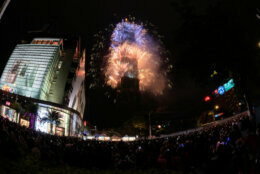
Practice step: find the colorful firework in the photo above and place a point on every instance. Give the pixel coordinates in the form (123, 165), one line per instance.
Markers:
(128, 32)
(132, 50)
(133, 53)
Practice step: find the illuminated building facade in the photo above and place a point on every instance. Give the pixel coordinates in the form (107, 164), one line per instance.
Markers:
(50, 76)
(31, 68)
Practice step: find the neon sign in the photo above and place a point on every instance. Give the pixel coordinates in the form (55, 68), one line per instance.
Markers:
(226, 87)
(230, 84)
(221, 90)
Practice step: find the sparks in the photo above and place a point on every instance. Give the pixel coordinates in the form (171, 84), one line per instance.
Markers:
(134, 54)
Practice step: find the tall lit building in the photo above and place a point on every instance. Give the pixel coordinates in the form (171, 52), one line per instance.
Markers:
(53, 76)
(130, 81)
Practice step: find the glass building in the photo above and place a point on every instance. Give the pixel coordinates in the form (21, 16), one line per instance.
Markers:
(39, 72)
(31, 68)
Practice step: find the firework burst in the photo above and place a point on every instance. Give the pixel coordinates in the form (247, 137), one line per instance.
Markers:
(132, 50)
(133, 53)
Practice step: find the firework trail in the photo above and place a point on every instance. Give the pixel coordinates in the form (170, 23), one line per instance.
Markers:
(134, 53)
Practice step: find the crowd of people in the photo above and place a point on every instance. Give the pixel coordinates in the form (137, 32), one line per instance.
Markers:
(229, 147)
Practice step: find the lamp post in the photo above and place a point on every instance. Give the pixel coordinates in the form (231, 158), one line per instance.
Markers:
(150, 127)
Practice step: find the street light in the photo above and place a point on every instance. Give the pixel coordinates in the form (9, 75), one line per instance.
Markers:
(216, 107)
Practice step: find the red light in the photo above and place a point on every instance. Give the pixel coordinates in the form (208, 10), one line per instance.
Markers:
(207, 99)
(85, 123)
(216, 91)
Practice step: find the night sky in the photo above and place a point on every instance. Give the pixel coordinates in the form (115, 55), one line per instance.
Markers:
(201, 36)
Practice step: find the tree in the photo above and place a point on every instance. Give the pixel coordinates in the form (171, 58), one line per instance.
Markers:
(139, 123)
(112, 132)
(135, 125)
(32, 112)
(52, 118)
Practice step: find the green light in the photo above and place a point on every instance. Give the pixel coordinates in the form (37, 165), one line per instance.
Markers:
(230, 84)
